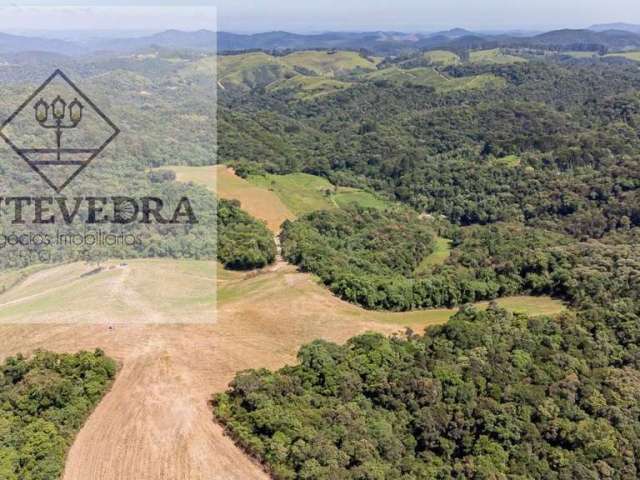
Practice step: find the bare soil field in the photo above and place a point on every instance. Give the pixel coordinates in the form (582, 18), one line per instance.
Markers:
(259, 202)
(156, 423)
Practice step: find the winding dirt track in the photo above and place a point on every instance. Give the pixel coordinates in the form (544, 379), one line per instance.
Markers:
(156, 423)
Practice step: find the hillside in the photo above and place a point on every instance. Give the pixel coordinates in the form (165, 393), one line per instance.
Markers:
(535, 184)
(485, 187)
(312, 74)
(617, 39)
(626, 27)
(314, 71)
(169, 371)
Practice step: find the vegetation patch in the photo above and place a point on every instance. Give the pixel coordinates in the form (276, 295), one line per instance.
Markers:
(312, 72)
(363, 255)
(244, 243)
(440, 254)
(441, 57)
(496, 56)
(300, 192)
(629, 55)
(485, 264)
(44, 400)
(487, 395)
(304, 193)
(508, 161)
(349, 197)
(579, 54)
(251, 70)
(329, 63)
(309, 87)
(429, 77)
(418, 320)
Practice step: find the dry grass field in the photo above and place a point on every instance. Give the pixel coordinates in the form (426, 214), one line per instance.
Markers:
(257, 201)
(155, 424)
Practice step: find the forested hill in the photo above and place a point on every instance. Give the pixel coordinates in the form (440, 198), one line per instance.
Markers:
(550, 144)
(535, 179)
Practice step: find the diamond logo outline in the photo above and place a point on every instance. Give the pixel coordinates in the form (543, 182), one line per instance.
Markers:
(95, 152)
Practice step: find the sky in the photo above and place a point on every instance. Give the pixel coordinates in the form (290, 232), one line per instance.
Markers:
(248, 16)
(100, 19)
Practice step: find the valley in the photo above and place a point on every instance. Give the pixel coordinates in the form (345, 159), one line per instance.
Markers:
(331, 316)
(195, 344)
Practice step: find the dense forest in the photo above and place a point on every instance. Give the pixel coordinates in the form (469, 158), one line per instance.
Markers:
(44, 400)
(490, 395)
(571, 131)
(371, 258)
(536, 183)
(243, 242)
(133, 94)
(173, 85)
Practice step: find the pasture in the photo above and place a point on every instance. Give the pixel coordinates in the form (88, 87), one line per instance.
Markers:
(429, 77)
(442, 57)
(441, 252)
(494, 57)
(260, 202)
(303, 193)
(635, 56)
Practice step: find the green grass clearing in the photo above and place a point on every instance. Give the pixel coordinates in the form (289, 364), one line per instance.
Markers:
(303, 193)
(311, 72)
(441, 253)
(346, 197)
(629, 55)
(309, 87)
(300, 192)
(508, 161)
(328, 63)
(429, 77)
(417, 320)
(495, 57)
(442, 57)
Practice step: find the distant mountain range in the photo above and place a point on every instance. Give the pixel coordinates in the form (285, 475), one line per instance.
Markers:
(15, 43)
(625, 27)
(597, 37)
(614, 39)
(389, 42)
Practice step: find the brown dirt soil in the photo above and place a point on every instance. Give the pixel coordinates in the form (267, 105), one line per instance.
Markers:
(259, 202)
(156, 424)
